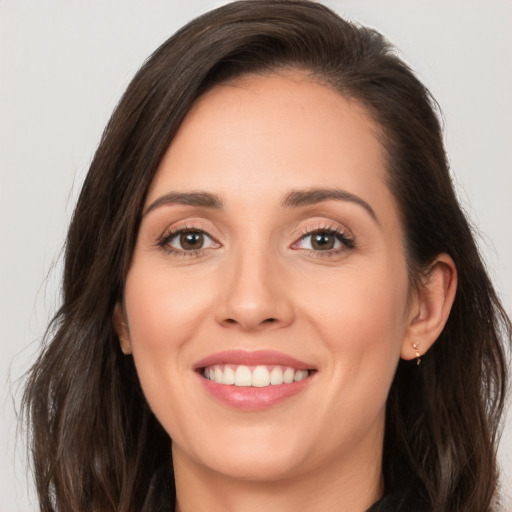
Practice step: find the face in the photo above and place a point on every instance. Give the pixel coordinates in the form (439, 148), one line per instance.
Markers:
(266, 303)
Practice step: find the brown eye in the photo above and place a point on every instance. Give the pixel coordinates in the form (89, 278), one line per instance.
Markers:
(322, 241)
(188, 241)
(191, 240)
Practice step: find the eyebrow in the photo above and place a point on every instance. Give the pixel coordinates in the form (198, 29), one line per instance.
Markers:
(201, 199)
(298, 198)
(294, 199)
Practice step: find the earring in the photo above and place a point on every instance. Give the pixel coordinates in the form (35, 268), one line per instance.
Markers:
(123, 341)
(415, 346)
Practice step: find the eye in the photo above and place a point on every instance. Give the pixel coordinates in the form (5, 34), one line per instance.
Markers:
(327, 240)
(187, 240)
(321, 242)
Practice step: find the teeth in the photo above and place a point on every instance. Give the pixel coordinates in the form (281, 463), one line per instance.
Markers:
(258, 377)
(243, 376)
(276, 376)
(300, 375)
(228, 376)
(288, 375)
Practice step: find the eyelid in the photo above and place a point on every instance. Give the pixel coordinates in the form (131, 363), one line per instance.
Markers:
(344, 236)
(163, 241)
(171, 237)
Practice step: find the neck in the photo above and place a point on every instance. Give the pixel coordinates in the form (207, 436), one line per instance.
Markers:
(344, 486)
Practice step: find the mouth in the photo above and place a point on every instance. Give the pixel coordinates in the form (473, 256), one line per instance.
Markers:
(253, 380)
(260, 376)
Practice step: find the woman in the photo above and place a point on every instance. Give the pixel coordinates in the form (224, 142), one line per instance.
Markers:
(271, 296)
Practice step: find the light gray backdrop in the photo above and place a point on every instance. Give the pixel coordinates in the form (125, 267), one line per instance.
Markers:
(63, 66)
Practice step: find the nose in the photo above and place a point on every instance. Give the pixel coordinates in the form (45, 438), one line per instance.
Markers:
(254, 295)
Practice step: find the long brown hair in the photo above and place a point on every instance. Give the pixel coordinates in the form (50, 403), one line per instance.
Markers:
(96, 444)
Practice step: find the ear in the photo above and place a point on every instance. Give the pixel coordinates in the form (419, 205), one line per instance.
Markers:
(431, 306)
(121, 328)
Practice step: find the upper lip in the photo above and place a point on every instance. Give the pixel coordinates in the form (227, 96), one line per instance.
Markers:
(252, 358)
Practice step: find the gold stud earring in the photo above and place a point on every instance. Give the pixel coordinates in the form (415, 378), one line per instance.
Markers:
(415, 346)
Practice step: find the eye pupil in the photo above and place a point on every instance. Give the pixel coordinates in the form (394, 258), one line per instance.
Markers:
(322, 241)
(191, 240)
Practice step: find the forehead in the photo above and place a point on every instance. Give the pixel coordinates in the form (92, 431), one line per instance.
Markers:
(260, 136)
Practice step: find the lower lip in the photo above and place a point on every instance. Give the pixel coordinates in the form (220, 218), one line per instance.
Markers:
(252, 398)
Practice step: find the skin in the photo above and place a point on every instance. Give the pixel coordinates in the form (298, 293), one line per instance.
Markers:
(258, 284)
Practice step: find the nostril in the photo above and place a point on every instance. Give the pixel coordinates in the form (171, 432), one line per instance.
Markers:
(232, 321)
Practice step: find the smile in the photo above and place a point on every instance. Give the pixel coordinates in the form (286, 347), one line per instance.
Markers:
(253, 380)
(253, 376)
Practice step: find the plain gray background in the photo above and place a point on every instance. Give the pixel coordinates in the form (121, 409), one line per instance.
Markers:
(63, 66)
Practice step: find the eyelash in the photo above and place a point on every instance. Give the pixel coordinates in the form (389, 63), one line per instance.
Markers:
(164, 241)
(347, 241)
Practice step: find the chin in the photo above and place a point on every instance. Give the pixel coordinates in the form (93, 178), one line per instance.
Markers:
(260, 467)
(251, 456)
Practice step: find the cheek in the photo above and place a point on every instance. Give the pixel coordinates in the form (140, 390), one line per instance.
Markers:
(364, 303)
(360, 316)
(163, 309)
(164, 313)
